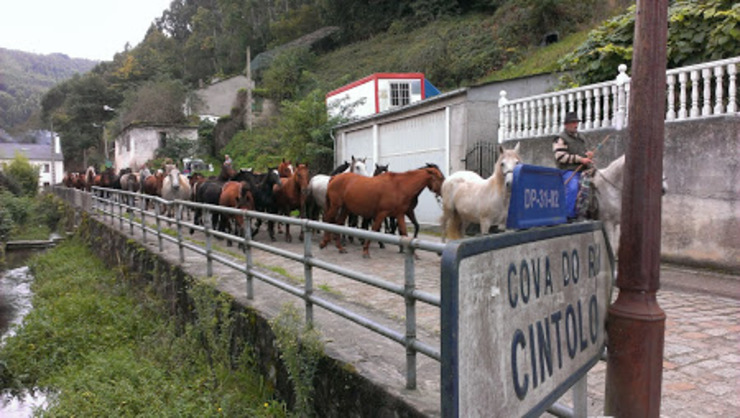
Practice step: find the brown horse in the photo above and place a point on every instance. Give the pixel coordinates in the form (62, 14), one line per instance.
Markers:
(285, 169)
(227, 172)
(292, 195)
(389, 194)
(235, 194)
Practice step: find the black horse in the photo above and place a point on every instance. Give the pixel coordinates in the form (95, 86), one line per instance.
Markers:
(262, 186)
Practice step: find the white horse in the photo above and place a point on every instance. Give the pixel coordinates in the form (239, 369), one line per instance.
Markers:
(319, 183)
(175, 186)
(468, 198)
(608, 184)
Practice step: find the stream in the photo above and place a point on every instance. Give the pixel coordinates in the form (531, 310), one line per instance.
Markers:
(15, 303)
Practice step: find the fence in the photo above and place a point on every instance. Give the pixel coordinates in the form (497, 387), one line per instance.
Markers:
(711, 88)
(123, 208)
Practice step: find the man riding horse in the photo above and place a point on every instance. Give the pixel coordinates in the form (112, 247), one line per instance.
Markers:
(572, 156)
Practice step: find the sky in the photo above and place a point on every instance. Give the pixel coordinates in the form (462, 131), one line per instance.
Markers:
(92, 29)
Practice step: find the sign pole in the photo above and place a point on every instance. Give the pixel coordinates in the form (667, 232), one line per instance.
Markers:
(636, 323)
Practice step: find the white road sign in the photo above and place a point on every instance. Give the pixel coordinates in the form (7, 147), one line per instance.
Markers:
(527, 319)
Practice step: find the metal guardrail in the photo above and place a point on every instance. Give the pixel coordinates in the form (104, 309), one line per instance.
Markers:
(123, 207)
(114, 204)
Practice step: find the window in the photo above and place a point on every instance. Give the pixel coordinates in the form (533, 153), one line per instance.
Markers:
(400, 94)
(47, 168)
(162, 139)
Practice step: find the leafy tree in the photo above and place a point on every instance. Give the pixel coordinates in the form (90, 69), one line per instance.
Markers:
(698, 31)
(25, 174)
(155, 101)
(177, 149)
(284, 77)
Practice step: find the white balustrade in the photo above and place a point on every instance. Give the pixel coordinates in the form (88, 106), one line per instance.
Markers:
(696, 91)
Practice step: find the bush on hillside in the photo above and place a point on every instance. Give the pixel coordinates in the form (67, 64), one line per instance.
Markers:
(698, 31)
(24, 174)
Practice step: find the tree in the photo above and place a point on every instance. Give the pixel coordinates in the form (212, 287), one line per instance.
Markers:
(23, 173)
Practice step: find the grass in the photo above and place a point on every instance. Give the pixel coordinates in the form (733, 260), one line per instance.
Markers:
(104, 349)
(539, 60)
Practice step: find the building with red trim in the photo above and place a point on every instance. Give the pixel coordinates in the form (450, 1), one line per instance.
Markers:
(377, 93)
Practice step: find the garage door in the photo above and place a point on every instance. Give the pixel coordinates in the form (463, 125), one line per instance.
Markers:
(411, 143)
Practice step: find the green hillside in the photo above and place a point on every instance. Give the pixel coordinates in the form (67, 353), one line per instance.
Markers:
(26, 77)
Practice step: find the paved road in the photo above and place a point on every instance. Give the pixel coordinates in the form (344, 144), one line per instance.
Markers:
(701, 375)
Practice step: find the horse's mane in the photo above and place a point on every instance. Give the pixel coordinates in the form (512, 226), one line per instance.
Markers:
(429, 165)
(614, 169)
(340, 169)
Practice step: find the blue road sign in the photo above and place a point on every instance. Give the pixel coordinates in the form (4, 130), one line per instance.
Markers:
(537, 198)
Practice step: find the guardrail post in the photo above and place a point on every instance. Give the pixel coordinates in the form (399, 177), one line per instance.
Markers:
(580, 397)
(209, 245)
(307, 272)
(159, 228)
(143, 222)
(179, 233)
(409, 287)
(248, 255)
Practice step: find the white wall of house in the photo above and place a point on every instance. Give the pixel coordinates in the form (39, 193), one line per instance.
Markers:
(38, 156)
(375, 93)
(138, 144)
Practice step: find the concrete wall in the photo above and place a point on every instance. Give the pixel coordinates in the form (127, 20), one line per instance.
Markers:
(138, 144)
(218, 98)
(701, 214)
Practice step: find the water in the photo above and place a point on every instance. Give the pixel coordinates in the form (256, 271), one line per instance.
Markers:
(15, 303)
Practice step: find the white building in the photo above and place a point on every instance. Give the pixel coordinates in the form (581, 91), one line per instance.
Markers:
(379, 92)
(51, 165)
(137, 144)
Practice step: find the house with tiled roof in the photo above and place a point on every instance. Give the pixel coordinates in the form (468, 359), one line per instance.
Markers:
(49, 161)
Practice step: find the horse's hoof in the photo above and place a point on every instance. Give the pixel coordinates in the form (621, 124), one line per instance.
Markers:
(381, 245)
(366, 255)
(288, 238)
(273, 239)
(342, 251)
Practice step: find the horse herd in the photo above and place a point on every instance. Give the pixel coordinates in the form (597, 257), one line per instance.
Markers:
(349, 192)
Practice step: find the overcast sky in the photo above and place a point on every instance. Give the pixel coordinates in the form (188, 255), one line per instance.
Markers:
(93, 29)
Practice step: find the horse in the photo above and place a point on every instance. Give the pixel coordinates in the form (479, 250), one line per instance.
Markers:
(389, 224)
(227, 173)
(468, 198)
(175, 186)
(90, 176)
(130, 182)
(235, 194)
(263, 187)
(285, 169)
(292, 195)
(207, 192)
(389, 194)
(316, 200)
(607, 198)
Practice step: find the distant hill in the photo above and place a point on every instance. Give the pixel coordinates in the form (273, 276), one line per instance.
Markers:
(25, 77)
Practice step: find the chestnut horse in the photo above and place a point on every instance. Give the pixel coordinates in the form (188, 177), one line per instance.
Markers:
(389, 194)
(285, 169)
(292, 196)
(468, 198)
(235, 194)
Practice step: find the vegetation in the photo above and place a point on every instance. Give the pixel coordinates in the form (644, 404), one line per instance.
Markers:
(102, 348)
(25, 78)
(455, 43)
(698, 31)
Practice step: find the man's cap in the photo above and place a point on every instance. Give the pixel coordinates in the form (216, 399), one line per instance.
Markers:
(571, 117)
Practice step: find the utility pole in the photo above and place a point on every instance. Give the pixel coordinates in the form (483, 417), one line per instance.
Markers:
(636, 323)
(248, 116)
(52, 182)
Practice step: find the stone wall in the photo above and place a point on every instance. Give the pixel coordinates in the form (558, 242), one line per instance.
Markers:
(701, 214)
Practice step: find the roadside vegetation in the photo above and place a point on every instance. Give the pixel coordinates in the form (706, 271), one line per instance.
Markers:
(24, 213)
(101, 347)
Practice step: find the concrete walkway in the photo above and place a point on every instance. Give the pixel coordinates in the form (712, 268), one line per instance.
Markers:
(701, 375)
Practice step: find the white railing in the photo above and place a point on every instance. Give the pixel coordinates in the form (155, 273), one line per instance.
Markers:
(692, 92)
